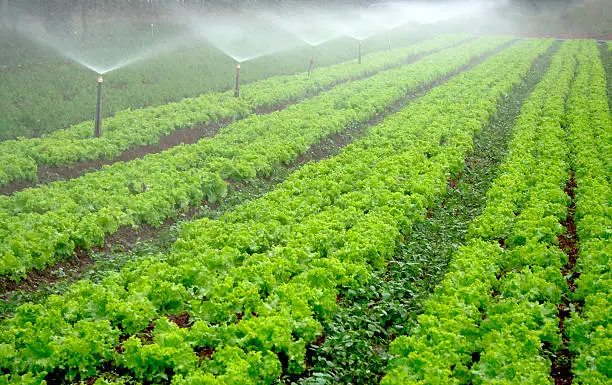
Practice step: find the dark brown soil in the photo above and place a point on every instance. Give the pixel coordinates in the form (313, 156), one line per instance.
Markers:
(205, 353)
(125, 238)
(146, 336)
(181, 320)
(568, 242)
(452, 181)
(183, 135)
(74, 267)
(561, 368)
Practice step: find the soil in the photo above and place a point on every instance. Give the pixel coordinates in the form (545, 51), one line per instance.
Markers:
(181, 320)
(74, 266)
(561, 368)
(205, 353)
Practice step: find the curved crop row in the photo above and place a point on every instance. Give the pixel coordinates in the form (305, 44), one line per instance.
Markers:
(255, 283)
(590, 138)
(128, 128)
(496, 309)
(37, 226)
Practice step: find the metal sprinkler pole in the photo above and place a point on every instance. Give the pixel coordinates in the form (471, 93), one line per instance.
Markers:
(237, 87)
(98, 127)
(389, 36)
(4, 13)
(359, 61)
(312, 63)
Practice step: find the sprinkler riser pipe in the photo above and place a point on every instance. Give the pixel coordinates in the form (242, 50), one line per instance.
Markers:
(98, 120)
(237, 86)
(313, 60)
(359, 59)
(389, 39)
(5, 13)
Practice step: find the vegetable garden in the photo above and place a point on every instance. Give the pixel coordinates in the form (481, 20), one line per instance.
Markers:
(436, 215)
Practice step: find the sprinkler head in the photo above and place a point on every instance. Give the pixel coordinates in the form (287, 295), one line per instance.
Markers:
(100, 79)
(238, 66)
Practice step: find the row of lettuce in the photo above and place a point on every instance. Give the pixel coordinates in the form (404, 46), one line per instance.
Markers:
(494, 319)
(256, 283)
(21, 158)
(41, 225)
(590, 330)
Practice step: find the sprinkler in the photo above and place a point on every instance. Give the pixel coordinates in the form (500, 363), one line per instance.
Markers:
(389, 38)
(153, 35)
(313, 61)
(98, 127)
(4, 13)
(359, 60)
(237, 87)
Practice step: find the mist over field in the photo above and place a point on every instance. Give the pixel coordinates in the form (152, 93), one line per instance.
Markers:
(90, 33)
(124, 40)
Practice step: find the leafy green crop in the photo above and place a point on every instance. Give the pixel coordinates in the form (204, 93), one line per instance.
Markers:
(257, 282)
(589, 121)
(497, 308)
(47, 223)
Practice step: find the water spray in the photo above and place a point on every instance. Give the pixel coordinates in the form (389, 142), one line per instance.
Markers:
(237, 86)
(98, 127)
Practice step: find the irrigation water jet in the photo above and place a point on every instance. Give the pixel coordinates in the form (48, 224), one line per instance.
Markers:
(102, 59)
(237, 86)
(315, 43)
(240, 36)
(98, 126)
(311, 27)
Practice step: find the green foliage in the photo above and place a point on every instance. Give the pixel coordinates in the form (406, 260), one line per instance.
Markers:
(258, 282)
(47, 223)
(497, 308)
(589, 124)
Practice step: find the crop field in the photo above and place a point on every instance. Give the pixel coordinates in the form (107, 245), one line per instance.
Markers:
(436, 212)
